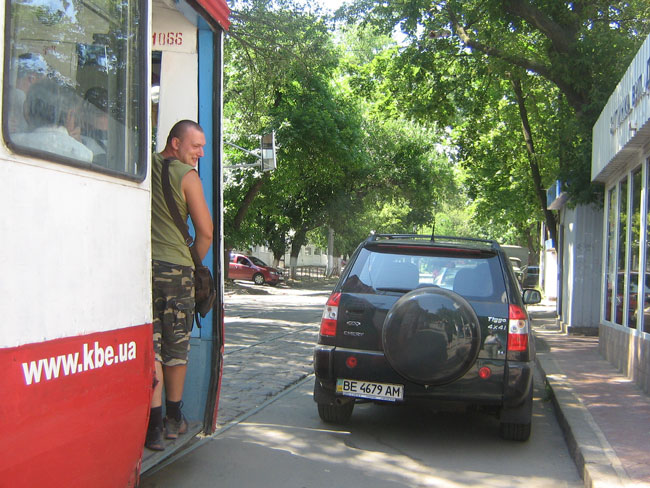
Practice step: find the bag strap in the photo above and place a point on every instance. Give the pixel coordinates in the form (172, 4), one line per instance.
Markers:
(178, 220)
(176, 215)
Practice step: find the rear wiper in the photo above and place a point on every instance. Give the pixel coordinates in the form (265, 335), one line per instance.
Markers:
(394, 289)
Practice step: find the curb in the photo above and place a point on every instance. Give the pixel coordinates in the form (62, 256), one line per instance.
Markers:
(596, 460)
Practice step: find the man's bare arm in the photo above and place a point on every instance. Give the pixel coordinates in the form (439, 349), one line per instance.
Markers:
(199, 212)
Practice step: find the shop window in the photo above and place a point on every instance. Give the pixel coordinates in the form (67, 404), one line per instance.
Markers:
(646, 296)
(610, 265)
(621, 279)
(635, 251)
(73, 82)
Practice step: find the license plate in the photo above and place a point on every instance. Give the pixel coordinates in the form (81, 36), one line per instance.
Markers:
(373, 391)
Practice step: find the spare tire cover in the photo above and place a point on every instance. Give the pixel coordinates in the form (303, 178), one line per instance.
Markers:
(431, 336)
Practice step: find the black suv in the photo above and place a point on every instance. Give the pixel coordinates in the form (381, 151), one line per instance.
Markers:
(433, 318)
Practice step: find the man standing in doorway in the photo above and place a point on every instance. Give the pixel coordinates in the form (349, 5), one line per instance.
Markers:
(173, 274)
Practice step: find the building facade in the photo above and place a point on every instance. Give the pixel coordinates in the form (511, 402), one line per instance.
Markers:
(577, 259)
(620, 160)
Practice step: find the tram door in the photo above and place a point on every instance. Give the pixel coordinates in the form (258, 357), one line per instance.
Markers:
(183, 87)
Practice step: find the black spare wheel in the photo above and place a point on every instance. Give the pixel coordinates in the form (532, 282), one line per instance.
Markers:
(431, 336)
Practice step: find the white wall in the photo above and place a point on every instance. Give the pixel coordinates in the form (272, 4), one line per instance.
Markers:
(581, 266)
(303, 258)
(176, 37)
(549, 268)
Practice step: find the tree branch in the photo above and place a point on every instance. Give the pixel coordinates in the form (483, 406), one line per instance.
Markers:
(551, 222)
(575, 99)
(248, 199)
(562, 37)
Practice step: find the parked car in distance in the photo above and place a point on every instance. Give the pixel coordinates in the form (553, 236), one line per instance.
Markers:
(250, 268)
(531, 276)
(435, 319)
(516, 267)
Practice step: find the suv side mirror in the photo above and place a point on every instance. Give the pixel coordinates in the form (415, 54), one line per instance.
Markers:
(531, 296)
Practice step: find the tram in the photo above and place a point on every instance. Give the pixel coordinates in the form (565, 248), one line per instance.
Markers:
(89, 89)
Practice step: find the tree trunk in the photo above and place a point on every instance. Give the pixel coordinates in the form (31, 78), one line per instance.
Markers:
(532, 234)
(299, 238)
(226, 261)
(330, 251)
(248, 199)
(540, 191)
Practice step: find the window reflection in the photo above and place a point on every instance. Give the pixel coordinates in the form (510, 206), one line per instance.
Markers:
(646, 299)
(73, 82)
(621, 284)
(635, 250)
(611, 249)
(51, 126)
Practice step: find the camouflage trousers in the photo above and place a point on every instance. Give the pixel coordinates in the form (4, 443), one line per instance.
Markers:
(173, 312)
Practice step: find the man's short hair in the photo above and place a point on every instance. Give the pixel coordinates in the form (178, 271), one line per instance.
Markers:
(180, 128)
(97, 96)
(48, 103)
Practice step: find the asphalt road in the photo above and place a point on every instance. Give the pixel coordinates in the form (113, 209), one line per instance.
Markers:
(270, 434)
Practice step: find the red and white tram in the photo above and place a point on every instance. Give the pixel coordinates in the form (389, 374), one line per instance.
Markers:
(78, 129)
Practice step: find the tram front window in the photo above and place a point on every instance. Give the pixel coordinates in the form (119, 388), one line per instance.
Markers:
(73, 83)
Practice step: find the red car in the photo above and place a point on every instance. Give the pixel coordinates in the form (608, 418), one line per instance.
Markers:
(250, 268)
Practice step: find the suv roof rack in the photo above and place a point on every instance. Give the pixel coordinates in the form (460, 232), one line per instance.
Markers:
(433, 238)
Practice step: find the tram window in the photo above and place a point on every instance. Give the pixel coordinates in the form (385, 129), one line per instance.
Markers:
(73, 88)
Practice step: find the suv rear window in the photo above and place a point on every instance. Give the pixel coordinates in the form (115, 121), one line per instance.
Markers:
(476, 275)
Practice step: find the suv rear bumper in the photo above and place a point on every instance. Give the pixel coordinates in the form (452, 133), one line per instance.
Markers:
(508, 385)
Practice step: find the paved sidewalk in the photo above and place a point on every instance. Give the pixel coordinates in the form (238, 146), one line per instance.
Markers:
(604, 415)
(269, 342)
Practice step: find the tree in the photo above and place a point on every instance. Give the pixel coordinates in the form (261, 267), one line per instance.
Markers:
(321, 159)
(454, 49)
(269, 46)
(336, 161)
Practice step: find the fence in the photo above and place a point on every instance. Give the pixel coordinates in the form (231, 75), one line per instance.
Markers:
(310, 272)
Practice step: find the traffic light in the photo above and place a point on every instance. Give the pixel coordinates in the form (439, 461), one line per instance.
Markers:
(268, 152)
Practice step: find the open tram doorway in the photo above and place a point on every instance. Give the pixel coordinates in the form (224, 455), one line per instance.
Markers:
(156, 58)
(186, 73)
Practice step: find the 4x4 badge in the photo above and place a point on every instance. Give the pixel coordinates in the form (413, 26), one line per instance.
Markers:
(353, 323)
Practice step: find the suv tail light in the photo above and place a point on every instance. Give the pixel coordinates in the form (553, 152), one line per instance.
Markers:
(517, 330)
(330, 315)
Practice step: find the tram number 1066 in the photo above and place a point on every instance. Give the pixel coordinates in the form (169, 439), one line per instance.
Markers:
(167, 39)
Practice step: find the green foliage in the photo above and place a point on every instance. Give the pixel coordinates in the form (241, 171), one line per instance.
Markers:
(400, 135)
(341, 163)
(268, 44)
(277, 59)
(453, 69)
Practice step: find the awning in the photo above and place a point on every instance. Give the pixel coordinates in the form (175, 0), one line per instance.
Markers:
(215, 12)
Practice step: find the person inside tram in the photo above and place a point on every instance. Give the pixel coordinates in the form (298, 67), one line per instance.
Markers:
(172, 275)
(30, 68)
(50, 109)
(94, 127)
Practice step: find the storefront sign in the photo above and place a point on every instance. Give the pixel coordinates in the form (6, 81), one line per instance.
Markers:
(631, 99)
(624, 124)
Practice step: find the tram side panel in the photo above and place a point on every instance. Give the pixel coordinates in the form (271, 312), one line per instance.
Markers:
(76, 333)
(75, 339)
